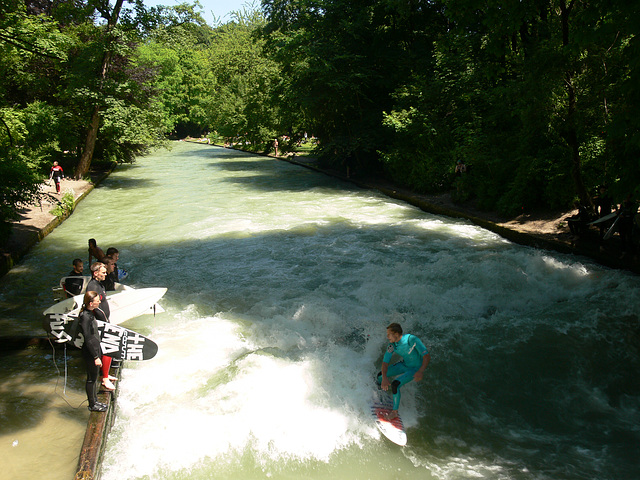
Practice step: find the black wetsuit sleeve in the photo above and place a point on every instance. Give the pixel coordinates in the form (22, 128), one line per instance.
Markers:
(90, 332)
(96, 286)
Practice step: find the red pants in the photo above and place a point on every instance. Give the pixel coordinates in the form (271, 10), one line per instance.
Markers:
(106, 365)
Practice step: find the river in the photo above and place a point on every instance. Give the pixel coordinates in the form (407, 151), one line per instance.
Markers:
(281, 282)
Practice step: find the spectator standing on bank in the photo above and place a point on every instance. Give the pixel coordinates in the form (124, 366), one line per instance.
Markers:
(57, 174)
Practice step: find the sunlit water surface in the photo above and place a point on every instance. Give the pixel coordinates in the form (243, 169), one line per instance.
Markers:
(281, 283)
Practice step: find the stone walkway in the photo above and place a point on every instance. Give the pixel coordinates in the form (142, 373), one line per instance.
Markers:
(36, 221)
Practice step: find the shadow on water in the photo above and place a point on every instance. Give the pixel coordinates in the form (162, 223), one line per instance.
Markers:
(273, 182)
(26, 384)
(115, 182)
(125, 183)
(247, 164)
(266, 174)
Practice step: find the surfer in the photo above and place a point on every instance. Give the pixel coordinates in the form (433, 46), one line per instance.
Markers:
(73, 286)
(118, 273)
(109, 282)
(415, 358)
(95, 251)
(78, 268)
(91, 352)
(99, 273)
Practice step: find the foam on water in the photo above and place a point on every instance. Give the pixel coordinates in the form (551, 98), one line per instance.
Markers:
(211, 392)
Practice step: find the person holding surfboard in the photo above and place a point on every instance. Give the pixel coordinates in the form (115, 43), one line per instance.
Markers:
(73, 286)
(91, 352)
(415, 358)
(99, 273)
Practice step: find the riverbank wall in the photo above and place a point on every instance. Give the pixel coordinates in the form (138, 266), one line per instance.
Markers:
(95, 438)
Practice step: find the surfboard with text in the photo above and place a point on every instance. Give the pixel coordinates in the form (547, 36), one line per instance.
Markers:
(115, 341)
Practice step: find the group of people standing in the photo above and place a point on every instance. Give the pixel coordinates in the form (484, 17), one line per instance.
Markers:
(95, 306)
(626, 212)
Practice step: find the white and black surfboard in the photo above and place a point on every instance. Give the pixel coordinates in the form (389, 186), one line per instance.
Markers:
(115, 341)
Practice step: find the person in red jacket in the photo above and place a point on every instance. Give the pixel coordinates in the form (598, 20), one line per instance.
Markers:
(57, 174)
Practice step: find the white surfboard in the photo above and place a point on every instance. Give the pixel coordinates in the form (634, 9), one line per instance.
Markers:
(133, 303)
(606, 218)
(123, 305)
(612, 229)
(394, 430)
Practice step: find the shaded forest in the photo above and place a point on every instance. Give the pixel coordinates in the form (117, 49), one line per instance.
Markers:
(538, 98)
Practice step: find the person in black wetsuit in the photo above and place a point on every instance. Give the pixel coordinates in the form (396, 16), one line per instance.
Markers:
(73, 286)
(78, 268)
(99, 272)
(110, 279)
(91, 353)
(115, 254)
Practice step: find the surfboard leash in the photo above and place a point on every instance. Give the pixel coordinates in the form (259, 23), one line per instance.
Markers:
(66, 374)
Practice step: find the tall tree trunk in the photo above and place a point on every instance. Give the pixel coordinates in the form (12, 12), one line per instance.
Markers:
(571, 133)
(94, 124)
(89, 144)
(571, 137)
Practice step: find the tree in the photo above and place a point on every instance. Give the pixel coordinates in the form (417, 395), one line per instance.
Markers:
(94, 123)
(28, 137)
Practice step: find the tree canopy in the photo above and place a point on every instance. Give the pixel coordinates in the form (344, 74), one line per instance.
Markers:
(537, 97)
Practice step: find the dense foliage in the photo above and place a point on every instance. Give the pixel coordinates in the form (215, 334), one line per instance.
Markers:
(534, 96)
(537, 97)
(57, 89)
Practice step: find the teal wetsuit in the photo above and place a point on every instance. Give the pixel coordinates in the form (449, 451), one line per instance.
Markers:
(412, 351)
